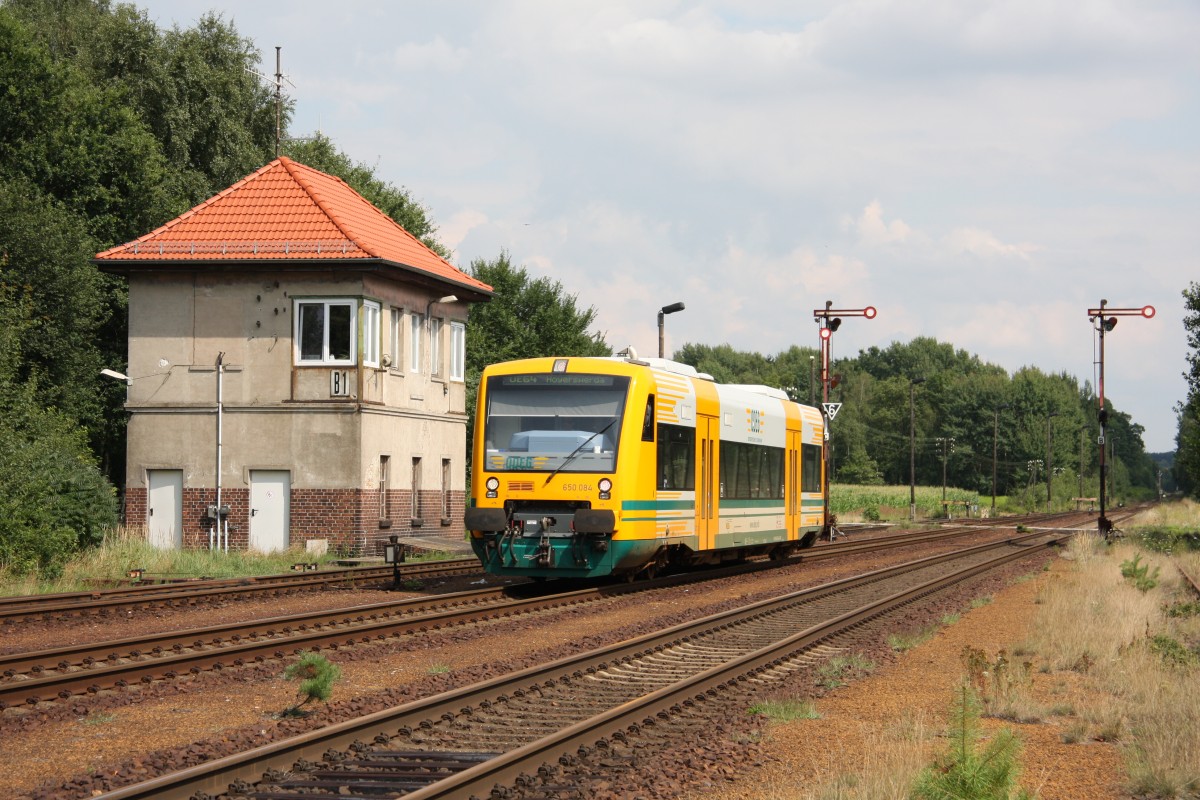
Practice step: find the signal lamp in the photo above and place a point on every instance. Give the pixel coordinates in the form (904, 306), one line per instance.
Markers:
(1110, 323)
(835, 323)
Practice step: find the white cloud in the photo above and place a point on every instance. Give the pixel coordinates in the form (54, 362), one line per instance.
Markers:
(873, 230)
(982, 243)
(452, 232)
(436, 55)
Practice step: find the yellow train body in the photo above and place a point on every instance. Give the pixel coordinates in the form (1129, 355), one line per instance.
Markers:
(587, 467)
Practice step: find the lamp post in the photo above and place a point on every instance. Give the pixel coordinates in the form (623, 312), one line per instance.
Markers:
(1049, 458)
(662, 312)
(829, 320)
(995, 440)
(912, 448)
(1104, 324)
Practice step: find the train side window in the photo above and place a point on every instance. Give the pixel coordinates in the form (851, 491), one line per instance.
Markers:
(676, 458)
(751, 471)
(648, 421)
(810, 470)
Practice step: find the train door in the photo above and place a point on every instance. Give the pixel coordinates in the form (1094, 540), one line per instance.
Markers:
(791, 506)
(707, 495)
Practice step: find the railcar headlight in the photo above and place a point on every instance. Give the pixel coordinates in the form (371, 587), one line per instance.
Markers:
(605, 485)
(492, 484)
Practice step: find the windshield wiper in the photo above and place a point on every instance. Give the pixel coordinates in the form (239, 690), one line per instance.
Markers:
(575, 452)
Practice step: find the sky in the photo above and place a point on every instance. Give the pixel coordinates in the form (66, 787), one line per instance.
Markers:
(982, 173)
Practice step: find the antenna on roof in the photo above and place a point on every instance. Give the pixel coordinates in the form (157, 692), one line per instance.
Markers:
(279, 80)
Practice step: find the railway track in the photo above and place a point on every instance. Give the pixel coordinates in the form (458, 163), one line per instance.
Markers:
(544, 731)
(55, 607)
(64, 673)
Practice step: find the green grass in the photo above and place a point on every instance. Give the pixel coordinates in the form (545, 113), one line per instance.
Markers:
(785, 710)
(839, 670)
(890, 503)
(122, 550)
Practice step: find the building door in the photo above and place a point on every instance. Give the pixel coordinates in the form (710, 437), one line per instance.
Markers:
(165, 508)
(270, 509)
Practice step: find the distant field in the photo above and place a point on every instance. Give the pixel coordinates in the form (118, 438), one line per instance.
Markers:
(890, 503)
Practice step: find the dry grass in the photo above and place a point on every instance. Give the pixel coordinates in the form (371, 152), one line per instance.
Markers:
(1097, 626)
(1177, 514)
(124, 549)
(884, 768)
(1097, 622)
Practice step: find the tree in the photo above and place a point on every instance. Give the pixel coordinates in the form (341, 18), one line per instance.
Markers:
(1187, 440)
(194, 92)
(526, 318)
(53, 497)
(75, 139)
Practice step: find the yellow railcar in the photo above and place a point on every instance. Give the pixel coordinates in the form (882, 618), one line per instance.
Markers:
(588, 467)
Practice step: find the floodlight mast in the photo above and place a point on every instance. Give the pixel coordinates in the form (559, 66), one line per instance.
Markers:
(1104, 319)
(828, 320)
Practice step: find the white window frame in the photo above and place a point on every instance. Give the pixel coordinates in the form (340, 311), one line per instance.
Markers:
(396, 337)
(371, 313)
(435, 347)
(327, 303)
(458, 351)
(414, 341)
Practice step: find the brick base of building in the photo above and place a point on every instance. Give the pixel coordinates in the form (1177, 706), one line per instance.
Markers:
(352, 521)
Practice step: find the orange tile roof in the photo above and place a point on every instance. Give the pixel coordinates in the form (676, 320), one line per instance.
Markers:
(290, 212)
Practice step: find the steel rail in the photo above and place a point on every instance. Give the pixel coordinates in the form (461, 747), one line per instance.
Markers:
(509, 767)
(13, 609)
(215, 777)
(61, 673)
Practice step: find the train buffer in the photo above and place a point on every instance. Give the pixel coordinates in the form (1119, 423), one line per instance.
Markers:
(1079, 501)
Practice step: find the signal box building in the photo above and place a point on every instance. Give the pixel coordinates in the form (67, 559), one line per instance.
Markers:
(296, 371)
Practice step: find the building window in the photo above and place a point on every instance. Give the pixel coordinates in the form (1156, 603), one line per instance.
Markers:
(325, 331)
(395, 336)
(370, 333)
(445, 491)
(416, 492)
(414, 343)
(385, 465)
(458, 351)
(435, 347)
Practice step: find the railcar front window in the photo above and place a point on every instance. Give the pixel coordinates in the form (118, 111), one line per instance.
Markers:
(569, 422)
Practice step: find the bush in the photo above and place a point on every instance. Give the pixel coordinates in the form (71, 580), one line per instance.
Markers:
(53, 498)
(967, 770)
(1139, 574)
(316, 675)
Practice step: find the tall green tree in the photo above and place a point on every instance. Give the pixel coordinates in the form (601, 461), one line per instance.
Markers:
(526, 318)
(194, 90)
(53, 496)
(1187, 439)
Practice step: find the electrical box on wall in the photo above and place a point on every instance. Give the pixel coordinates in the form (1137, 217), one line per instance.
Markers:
(211, 512)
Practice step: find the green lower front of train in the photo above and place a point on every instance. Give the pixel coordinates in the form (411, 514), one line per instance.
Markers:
(577, 556)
